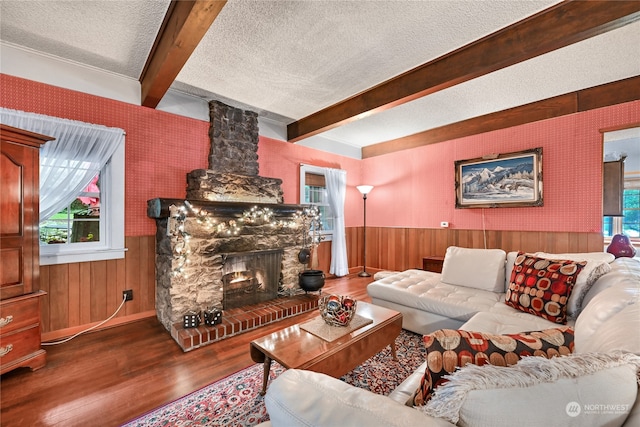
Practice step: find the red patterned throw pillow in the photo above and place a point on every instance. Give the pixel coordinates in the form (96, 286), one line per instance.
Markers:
(448, 349)
(542, 287)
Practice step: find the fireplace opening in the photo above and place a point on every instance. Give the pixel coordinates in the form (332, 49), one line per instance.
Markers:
(238, 285)
(250, 277)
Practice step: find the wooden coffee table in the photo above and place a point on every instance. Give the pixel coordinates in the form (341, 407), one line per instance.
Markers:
(294, 347)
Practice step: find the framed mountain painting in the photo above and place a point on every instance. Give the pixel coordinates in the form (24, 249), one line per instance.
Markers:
(500, 180)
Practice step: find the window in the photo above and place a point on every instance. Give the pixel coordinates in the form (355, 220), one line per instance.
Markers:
(79, 221)
(629, 223)
(91, 227)
(81, 188)
(313, 191)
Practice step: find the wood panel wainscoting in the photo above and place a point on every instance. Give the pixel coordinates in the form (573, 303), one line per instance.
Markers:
(80, 295)
(399, 249)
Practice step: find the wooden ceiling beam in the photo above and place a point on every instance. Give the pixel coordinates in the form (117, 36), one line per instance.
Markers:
(613, 93)
(184, 26)
(556, 27)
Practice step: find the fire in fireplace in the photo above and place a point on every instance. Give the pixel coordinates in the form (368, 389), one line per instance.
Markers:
(250, 277)
(239, 287)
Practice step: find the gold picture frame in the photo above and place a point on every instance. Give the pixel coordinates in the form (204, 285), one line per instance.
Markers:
(500, 180)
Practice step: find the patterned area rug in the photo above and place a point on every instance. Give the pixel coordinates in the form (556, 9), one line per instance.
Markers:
(236, 401)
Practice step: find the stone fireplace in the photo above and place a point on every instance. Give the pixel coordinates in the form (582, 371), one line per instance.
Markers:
(231, 242)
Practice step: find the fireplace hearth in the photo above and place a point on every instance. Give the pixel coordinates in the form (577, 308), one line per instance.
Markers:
(243, 319)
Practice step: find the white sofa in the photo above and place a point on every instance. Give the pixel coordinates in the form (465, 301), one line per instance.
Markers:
(596, 385)
(472, 281)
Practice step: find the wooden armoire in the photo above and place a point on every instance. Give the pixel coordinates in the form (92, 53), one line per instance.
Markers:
(20, 344)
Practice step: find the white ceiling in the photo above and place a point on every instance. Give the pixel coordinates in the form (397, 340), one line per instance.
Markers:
(286, 60)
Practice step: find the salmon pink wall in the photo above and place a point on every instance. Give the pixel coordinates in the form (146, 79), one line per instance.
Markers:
(415, 188)
(161, 148)
(282, 160)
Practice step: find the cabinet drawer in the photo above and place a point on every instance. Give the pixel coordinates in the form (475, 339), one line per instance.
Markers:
(18, 313)
(16, 345)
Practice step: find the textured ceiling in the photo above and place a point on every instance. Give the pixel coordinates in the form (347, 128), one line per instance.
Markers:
(564, 70)
(110, 35)
(286, 60)
(294, 58)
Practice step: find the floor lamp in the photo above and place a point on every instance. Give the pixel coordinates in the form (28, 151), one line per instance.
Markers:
(364, 189)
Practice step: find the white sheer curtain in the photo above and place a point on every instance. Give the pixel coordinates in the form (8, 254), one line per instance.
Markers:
(68, 164)
(336, 180)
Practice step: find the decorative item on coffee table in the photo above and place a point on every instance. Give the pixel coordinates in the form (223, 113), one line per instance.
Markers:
(337, 310)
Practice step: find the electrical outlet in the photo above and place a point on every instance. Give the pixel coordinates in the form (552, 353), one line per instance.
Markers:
(127, 295)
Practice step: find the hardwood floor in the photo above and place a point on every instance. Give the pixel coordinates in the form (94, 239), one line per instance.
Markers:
(109, 377)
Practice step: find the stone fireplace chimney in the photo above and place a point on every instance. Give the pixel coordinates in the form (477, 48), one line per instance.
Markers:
(234, 140)
(233, 161)
(222, 195)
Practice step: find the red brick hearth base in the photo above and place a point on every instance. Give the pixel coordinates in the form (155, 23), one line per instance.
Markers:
(238, 320)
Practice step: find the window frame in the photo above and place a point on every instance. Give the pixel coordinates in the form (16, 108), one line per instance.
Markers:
(617, 222)
(111, 244)
(315, 170)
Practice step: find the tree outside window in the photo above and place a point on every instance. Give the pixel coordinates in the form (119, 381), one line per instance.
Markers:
(631, 212)
(79, 222)
(314, 192)
(629, 223)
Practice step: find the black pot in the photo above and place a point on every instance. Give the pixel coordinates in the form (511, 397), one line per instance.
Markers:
(311, 280)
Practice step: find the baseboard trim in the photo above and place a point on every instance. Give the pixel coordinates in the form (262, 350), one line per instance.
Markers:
(67, 332)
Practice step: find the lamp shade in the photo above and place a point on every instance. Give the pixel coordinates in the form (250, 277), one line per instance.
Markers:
(364, 189)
